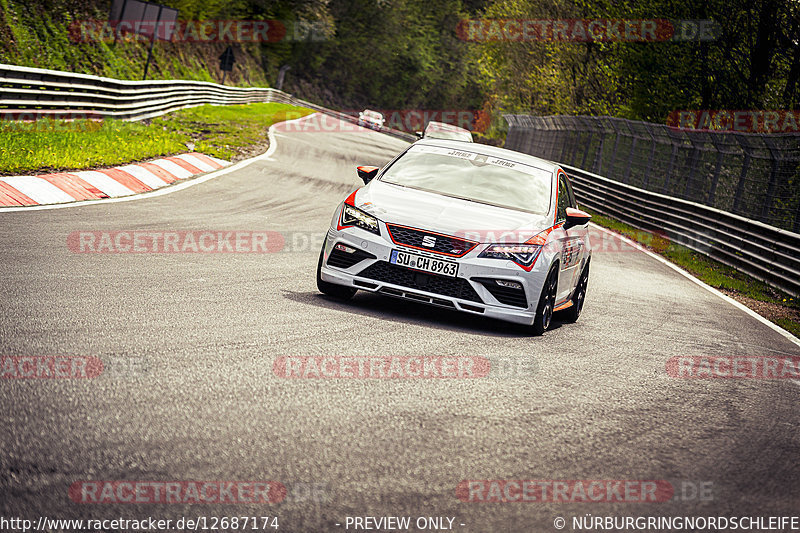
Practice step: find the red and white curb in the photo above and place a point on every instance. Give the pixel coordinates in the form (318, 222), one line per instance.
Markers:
(64, 187)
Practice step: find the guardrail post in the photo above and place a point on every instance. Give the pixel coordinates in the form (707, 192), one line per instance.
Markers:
(668, 177)
(627, 178)
(712, 190)
(577, 133)
(532, 137)
(565, 135)
(617, 135)
(694, 159)
(649, 166)
(597, 166)
(796, 227)
(550, 150)
(737, 198)
(514, 136)
(587, 126)
(511, 136)
(773, 177)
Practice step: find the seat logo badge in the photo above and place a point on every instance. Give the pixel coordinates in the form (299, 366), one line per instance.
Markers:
(428, 241)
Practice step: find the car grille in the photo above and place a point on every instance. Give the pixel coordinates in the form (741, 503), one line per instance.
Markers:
(504, 295)
(396, 275)
(444, 244)
(340, 259)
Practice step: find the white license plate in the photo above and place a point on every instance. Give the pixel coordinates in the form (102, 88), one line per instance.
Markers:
(426, 264)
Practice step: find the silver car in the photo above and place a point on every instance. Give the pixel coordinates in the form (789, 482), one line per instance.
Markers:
(474, 228)
(371, 119)
(442, 130)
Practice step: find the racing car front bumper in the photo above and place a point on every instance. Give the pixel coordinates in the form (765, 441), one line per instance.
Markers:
(474, 289)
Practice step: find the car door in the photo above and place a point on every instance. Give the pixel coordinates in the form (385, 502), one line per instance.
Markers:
(572, 242)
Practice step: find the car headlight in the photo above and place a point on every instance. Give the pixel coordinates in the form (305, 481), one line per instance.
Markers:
(352, 216)
(522, 254)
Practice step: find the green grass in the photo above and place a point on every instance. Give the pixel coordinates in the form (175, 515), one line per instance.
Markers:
(221, 131)
(59, 145)
(782, 309)
(226, 131)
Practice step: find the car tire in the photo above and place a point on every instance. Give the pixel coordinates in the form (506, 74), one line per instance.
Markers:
(339, 292)
(572, 313)
(547, 300)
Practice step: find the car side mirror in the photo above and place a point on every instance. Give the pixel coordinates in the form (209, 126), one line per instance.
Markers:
(367, 173)
(576, 217)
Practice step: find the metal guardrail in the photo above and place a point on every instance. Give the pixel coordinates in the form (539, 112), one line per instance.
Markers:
(32, 93)
(765, 252)
(753, 175)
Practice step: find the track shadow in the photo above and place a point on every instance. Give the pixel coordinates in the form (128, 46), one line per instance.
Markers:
(397, 310)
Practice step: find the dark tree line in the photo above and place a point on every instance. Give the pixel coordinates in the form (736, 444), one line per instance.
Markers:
(409, 54)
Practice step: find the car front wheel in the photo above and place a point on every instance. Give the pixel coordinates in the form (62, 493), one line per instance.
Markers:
(547, 300)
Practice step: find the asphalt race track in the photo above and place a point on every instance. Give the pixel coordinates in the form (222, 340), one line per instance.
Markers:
(189, 341)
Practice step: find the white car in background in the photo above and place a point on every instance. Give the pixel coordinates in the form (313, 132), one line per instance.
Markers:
(442, 130)
(468, 227)
(371, 119)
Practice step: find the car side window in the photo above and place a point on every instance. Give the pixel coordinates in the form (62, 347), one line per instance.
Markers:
(572, 202)
(563, 198)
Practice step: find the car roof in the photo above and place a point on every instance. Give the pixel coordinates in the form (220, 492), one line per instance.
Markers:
(492, 151)
(444, 126)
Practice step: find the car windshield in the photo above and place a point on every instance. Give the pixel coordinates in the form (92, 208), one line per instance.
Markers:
(472, 176)
(372, 114)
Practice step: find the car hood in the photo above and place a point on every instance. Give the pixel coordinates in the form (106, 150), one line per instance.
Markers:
(395, 204)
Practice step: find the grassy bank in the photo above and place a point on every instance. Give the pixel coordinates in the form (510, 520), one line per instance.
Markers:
(770, 303)
(227, 132)
(46, 34)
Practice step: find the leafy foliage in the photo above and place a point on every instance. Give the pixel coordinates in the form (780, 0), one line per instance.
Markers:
(754, 62)
(406, 54)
